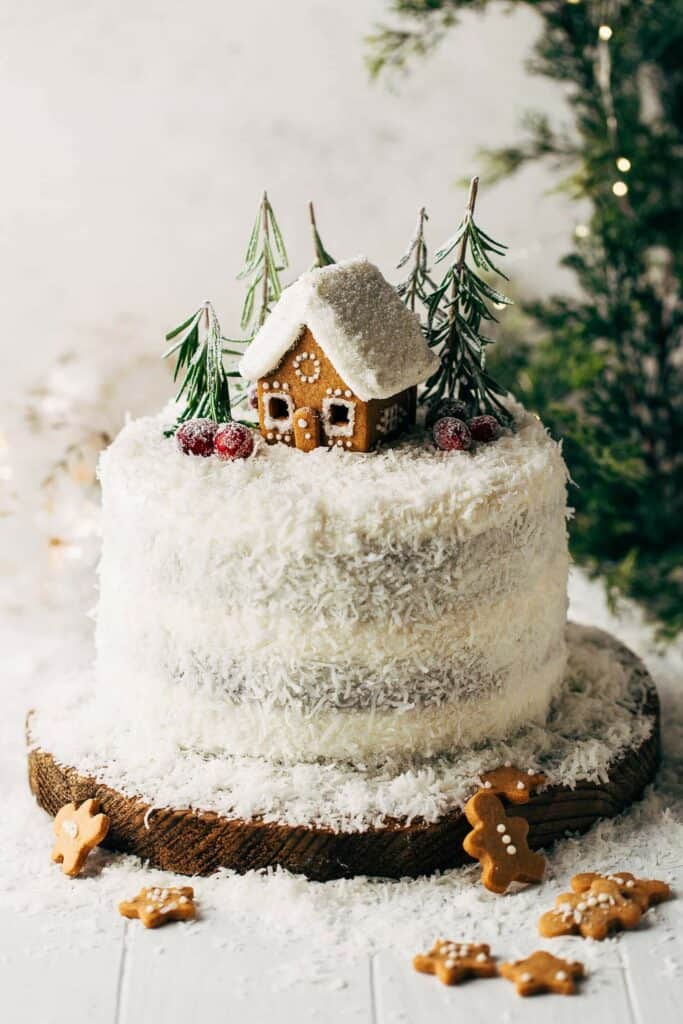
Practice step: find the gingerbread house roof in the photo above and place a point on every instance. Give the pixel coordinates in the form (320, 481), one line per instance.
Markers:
(375, 344)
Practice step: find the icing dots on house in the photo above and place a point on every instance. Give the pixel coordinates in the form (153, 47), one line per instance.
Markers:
(338, 361)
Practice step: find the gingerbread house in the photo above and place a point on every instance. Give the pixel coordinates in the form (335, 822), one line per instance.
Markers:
(338, 361)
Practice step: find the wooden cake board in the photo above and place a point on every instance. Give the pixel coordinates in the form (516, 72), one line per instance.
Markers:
(198, 843)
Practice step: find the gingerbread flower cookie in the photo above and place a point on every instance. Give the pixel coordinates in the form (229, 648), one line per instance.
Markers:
(78, 831)
(512, 783)
(500, 844)
(156, 906)
(453, 962)
(645, 892)
(543, 972)
(592, 913)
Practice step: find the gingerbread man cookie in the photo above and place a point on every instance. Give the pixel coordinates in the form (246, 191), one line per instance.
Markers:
(78, 831)
(543, 972)
(452, 962)
(645, 892)
(592, 913)
(156, 906)
(500, 844)
(512, 783)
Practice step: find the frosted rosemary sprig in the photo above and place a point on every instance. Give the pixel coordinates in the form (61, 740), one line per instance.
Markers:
(198, 347)
(265, 259)
(322, 256)
(457, 311)
(416, 288)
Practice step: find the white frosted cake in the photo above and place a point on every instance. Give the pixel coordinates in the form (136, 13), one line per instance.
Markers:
(316, 647)
(297, 606)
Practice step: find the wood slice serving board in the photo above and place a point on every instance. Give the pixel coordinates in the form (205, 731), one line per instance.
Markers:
(196, 842)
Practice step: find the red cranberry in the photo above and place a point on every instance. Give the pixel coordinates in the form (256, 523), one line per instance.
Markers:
(196, 437)
(451, 434)
(453, 407)
(252, 397)
(484, 428)
(233, 441)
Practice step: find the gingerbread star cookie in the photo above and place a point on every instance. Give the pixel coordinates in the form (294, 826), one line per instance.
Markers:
(78, 831)
(543, 972)
(156, 906)
(500, 844)
(646, 892)
(452, 962)
(512, 783)
(592, 913)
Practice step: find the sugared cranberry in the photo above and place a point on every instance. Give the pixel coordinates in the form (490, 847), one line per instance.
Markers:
(233, 441)
(451, 434)
(452, 407)
(196, 437)
(252, 397)
(484, 428)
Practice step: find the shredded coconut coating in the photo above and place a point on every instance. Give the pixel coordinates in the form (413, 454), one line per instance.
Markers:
(374, 342)
(324, 605)
(591, 723)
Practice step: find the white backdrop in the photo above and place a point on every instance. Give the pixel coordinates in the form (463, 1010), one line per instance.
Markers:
(137, 138)
(139, 135)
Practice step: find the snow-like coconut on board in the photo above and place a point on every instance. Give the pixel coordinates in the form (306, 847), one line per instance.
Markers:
(307, 605)
(374, 342)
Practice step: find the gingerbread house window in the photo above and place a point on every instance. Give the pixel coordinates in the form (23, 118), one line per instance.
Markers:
(338, 417)
(279, 411)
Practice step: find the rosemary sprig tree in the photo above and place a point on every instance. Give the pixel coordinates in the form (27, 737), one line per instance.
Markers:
(322, 256)
(265, 259)
(417, 287)
(458, 309)
(205, 389)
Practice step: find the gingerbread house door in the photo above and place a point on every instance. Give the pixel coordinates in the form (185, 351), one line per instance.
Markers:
(306, 428)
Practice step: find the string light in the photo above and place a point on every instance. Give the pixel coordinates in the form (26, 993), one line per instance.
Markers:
(582, 231)
(605, 33)
(620, 188)
(623, 164)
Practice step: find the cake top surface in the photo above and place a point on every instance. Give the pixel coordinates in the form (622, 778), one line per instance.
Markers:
(374, 342)
(331, 499)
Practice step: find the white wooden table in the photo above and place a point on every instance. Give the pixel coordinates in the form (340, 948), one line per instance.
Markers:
(132, 976)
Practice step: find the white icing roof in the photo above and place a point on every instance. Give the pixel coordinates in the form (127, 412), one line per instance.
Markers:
(357, 318)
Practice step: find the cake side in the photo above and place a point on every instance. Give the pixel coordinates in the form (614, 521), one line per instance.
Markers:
(315, 605)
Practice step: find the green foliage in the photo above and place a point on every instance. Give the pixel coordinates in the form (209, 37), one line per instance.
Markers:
(457, 310)
(265, 259)
(417, 287)
(322, 256)
(198, 346)
(604, 370)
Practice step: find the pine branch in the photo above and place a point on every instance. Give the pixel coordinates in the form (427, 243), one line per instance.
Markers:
(322, 256)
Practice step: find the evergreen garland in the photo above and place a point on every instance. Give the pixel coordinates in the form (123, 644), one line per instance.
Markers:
(205, 390)
(322, 256)
(606, 369)
(456, 311)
